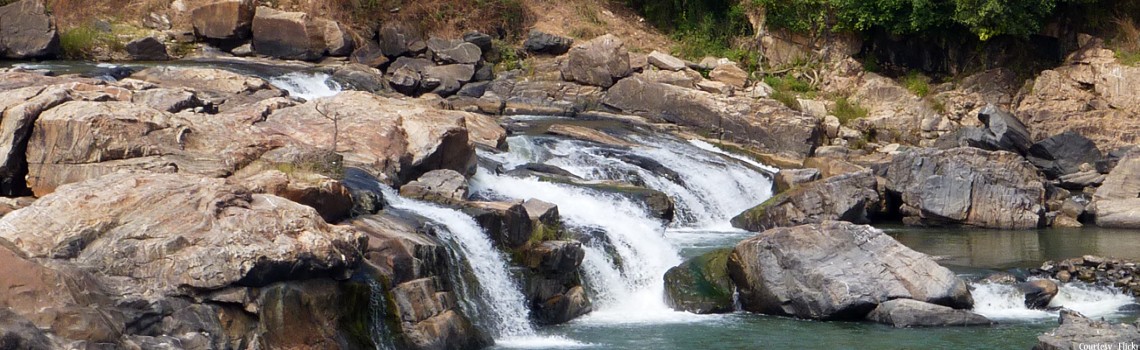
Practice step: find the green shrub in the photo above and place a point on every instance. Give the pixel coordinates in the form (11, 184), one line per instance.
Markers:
(917, 83)
(700, 27)
(81, 42)
(788, 83)
(847, 110)
(787, 98)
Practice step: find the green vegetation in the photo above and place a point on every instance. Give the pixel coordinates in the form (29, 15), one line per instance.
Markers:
(787, 89)
(847, 110)
(917, 83)
(82, 42)
(701, 27)
(1126, 44)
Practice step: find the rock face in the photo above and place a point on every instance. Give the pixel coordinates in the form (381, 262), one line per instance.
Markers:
(1063, 154)
(550, 44)
(395, 140)
(836, 271)
(553, 285)
(298, 36)
(766, 125)
(16, 332)
(701, 285)
(844, 197)
(226, 23)
(903, 313)
(509, 224)
(27, 31)
(253, 240)
(788, 178)
(598, 62)
(444, 186)
(966, 186)
(1078, 331)
(1092, 94)
(1117, 201)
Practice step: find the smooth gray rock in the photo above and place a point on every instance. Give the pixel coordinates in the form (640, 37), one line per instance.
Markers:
(454, 51)
(665, 61)
(444, 186)
(904, 313)
(967, 186)
(788, 178)
(27, 31)
(1063, 154)
(1117, 201)
(836, 271)
(844, 197)
(147, 49)
(598, 62)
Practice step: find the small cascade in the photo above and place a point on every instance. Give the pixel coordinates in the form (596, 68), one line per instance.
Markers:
(628, 251)
(381, 335)
(1005, 302)
(493, 298)
(307, 85)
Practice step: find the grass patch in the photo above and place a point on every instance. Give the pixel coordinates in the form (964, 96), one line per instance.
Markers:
(83, 41)
(1126, 44)
(847, 110)
(787, 89)
(917, 83)
(787, 98)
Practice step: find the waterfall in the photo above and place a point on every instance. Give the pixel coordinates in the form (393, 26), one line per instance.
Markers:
(1005, 302)
(624, 267)
(307, 85)
(377, 305)
(494, 298)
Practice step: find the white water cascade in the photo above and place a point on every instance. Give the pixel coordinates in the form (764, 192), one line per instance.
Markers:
(503, 306)
(307, 85)
(1003, 302)
(624, 267)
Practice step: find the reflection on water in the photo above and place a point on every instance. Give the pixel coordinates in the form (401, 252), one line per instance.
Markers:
(996, 249)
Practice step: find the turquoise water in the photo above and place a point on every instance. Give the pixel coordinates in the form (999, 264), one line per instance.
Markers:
(967, 251)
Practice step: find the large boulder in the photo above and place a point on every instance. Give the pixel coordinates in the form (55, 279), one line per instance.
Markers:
(1079, 332)
(598, 62)
(394, 140)
(509, 224)
(1001, 132)
(730, 74)
(226, 23)
(1117, 201)
(1038, 293)
(540, 42)
(454, 51)
(552, 284)
(1063, 154)
(701, 285)
(904, 313)
(665, 61)
(844, 197)
(298, 36)
(21, 108)
(28, 31)
(836, 271)
(967, 186)
(786, 179)
(765, 125)
(209, 234)
(147, 48)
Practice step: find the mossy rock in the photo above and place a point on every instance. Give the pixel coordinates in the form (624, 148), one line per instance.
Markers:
(701, 285)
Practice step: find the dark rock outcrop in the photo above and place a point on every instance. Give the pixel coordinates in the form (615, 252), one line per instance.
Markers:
(544, 43)
(147, 49)
(1063, 154)
(836, 271)
(967, 186)
(1038, 293)
(27, 31)
(701, 285)
(553, 285)
(844, 197)
(904, 313)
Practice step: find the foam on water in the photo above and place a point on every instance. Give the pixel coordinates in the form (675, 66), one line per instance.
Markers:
(307, 85)
(1006, 302)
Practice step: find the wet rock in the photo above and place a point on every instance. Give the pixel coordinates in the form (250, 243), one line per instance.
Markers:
(485, 131)
(147, 49)
(508, 223)
(844, 197)
(444, 186)
(836, 271)
(1063, 154)
(598, 62)
(1078, 331)
(311, 314)
(967, 186)
(1038, 293)
(544, 43)
(1000, 278)
(788, 178)
(1117, 201)
(905, 313)
(701, 285)
(28, 31)
(224, 23)
(665, 61)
